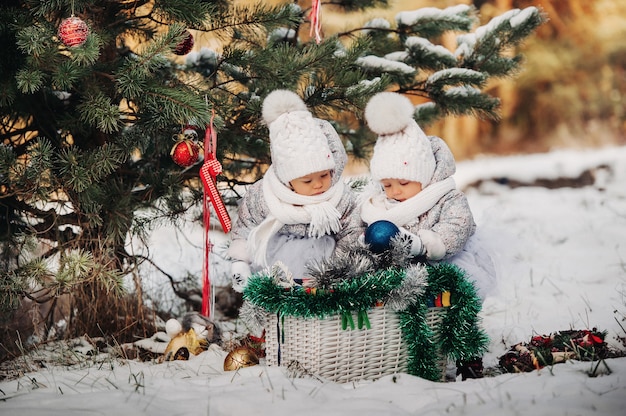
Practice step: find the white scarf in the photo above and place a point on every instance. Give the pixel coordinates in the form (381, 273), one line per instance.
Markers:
(288, 207)
(405, 212)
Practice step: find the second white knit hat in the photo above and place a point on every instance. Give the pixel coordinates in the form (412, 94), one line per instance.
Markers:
(297, 143)
(402, 150)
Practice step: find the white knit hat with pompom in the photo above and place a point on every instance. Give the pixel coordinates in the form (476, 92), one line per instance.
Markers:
(297, 143)
(402, 150)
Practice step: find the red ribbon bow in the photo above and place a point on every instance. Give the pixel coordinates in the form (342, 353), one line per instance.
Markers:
(212, 167)
(208, 172)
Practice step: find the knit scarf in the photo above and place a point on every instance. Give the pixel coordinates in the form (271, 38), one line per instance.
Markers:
(288, 207)
(406, 212)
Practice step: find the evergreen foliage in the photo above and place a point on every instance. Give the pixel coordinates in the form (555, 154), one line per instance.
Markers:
(86, 131)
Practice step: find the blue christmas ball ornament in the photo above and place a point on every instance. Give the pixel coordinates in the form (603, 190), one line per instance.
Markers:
(378, 235)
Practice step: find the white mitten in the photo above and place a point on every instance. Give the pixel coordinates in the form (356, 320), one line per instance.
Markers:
(240, 272)
(433, 244)
(417, 248)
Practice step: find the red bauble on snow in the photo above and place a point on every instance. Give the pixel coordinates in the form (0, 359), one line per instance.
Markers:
(184, 47)
(186, 150)
(73, 31)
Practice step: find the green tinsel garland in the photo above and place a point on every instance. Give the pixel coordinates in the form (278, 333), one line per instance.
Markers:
(346, 296)
(460, 336)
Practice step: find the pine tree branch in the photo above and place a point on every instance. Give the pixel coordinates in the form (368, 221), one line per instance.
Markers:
(356, 5)
(252, 17)
(33, 296)
(350, 32)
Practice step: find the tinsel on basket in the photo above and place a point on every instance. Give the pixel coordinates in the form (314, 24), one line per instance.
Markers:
(352, 283)
(397, 287)
(460, 336)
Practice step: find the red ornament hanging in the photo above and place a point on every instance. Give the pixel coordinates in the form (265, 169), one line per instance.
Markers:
(184, 47)
(186, 150)
(73, 31)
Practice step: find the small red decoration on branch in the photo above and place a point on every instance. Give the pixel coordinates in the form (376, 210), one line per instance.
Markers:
(186, 150)
(73, 31)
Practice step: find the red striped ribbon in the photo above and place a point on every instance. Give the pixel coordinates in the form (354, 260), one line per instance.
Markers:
(208, 172)
(316, 23)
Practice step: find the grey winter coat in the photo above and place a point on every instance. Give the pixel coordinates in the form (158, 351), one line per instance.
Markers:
(450, 218)
(253, 208)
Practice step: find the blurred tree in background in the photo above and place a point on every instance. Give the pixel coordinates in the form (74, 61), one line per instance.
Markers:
(87, 129)
(572, 91)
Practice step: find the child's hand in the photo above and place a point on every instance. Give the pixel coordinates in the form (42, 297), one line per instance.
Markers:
(433, 245)
(417, 248)
(240, 272)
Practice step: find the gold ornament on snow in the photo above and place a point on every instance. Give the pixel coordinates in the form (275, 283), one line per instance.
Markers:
(240, 357)
(183, 344)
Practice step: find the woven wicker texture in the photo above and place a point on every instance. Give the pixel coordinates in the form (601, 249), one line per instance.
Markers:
(434, 316)
(323, 348)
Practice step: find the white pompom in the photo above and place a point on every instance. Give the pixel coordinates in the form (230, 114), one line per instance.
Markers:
(388, 112)
(279, 102)
(173, 327)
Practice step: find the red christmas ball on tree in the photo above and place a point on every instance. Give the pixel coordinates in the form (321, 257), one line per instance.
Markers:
(184, 47)
(185, 152)
(73, 31)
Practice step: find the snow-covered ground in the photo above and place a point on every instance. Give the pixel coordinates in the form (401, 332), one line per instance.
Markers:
(561, 257)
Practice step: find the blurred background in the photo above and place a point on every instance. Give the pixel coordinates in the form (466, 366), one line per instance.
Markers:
(569, 93)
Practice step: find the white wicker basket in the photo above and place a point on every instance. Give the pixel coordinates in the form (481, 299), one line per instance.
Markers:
(434, 316)
(323, 348)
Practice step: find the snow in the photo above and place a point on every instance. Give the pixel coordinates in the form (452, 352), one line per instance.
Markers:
(452, 73)
(282, 33)
(466, 44)
(204, 54)
(362, 85)
(514, 18)
(372, 61)
(568, 163)
(495, 23)
(412, 18)
(562, 265)
(399, 56)
(462, 91)
(376, 23)
(523, 16)
(421, 43)
(428, 106)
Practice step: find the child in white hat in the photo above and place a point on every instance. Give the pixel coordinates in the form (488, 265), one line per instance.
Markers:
(418, 193)
(301, 211)
(419, 196)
